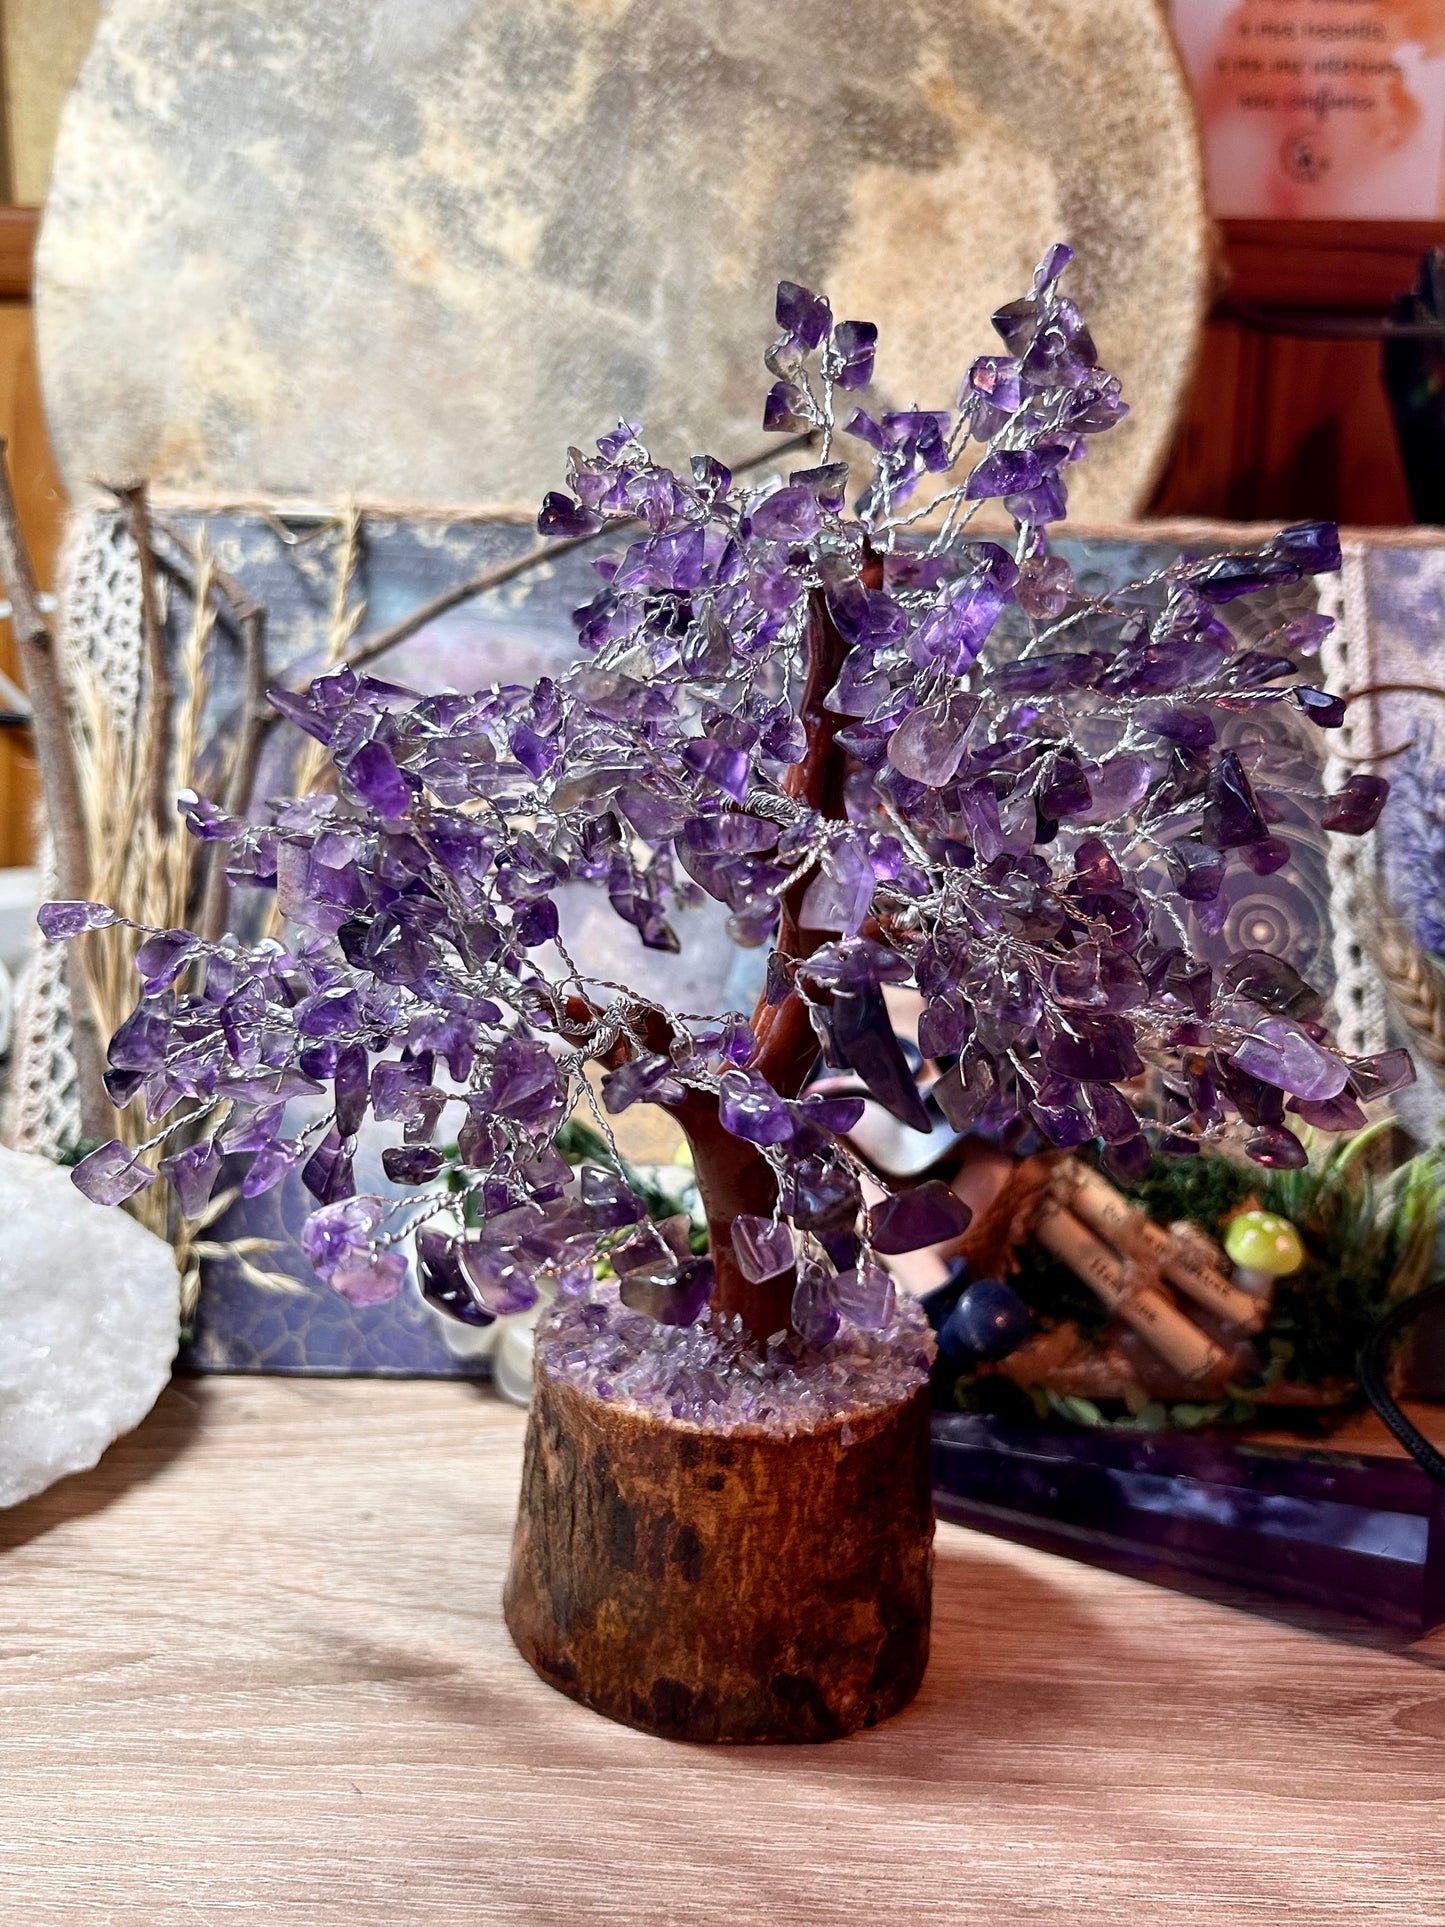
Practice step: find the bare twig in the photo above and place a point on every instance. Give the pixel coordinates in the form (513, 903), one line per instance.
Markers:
(183, 567)
(246, 619)
(50, 700)
(504, 572)
(241, 778)
(215, 908)
(1394, 689)
(239, 783)
(156, 730)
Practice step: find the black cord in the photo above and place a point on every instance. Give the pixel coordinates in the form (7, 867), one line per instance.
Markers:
(1373, 1367)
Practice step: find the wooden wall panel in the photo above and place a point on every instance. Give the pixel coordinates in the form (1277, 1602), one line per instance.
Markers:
(1281, 429)
(40, 498)
(1280, 426)
(1354, 266)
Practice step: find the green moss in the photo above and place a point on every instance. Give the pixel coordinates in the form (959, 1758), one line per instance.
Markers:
(1367, 1237)
(1200, 1189)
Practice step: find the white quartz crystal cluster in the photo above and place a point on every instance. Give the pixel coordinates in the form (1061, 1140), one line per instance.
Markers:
(89, 1318)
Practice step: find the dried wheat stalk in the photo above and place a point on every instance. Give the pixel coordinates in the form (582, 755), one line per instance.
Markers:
(110, 786)
(1414, 984)
(142, 865)
(313, 769)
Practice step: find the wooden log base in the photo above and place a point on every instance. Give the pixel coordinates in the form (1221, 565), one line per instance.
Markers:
(728, 1585)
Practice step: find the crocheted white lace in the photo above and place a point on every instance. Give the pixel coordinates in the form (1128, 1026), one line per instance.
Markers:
(99, 627)
(1359, 1000)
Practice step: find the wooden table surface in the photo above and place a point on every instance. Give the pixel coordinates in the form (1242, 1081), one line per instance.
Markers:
(253, 1669)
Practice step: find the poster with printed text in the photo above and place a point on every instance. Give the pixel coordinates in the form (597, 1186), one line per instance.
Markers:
(1319, 109)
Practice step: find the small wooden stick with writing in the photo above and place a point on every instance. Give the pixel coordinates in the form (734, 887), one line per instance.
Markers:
(1185, 1264)
(1131, 1292)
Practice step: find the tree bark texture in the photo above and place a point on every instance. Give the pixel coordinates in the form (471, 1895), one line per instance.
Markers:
(724, 1585)
(732, 1176)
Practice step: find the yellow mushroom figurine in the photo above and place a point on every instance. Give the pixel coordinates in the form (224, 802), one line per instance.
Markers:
(1264, 1247)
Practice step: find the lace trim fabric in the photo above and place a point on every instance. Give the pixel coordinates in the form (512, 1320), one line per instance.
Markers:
(1353, 860)
(100, 630)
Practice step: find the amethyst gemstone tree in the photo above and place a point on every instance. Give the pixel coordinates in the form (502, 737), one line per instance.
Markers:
(899, 754)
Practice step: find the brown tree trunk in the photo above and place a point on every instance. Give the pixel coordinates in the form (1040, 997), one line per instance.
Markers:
(724, 1585)
(733, 1181)
(732, 1178)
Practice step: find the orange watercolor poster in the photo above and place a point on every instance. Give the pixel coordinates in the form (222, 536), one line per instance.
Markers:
(1332, 109)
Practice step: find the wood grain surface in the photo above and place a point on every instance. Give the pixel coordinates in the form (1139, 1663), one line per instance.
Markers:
(253, 1669)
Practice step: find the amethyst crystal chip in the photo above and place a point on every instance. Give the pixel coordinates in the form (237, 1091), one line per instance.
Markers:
(1356, 808)
(1273, 983)
(1340, 1113)
(816, 1317)
(338, 1242)
(928, 746)
(161, 959)
(1381, 1076)
(1324, 710)
(327, 1172)
(332, 1234)
(963, 1091)
(856, 343)
(928, 1215)
(1092, 1049)
(1281, 1053)
(1277, 1149)
(502, 1284)
(671, 1295)
(443, 1282)
(1232, 815)
(192, 1173)
(111, 1174)
(861, 1033)
(804, 317)
(864, 1295)
(749, 1108)
(369, 1277)
(607, 1201)
(58, 921)
(763, 1247)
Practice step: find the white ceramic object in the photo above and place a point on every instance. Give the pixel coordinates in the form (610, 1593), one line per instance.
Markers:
(508, 1344)
(89, 1319)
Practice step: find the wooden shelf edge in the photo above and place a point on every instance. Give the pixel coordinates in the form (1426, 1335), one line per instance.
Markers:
(18, 228)
(1357, 265)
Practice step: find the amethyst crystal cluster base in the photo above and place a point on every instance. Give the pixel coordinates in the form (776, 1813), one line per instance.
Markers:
(714, 1375)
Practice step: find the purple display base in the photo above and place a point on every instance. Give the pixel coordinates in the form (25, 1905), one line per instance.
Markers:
(1357, 1535)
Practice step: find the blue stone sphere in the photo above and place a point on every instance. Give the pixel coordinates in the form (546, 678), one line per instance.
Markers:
(989, 1321)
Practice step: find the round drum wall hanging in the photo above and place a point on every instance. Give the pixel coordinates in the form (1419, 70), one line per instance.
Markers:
(407, 250)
